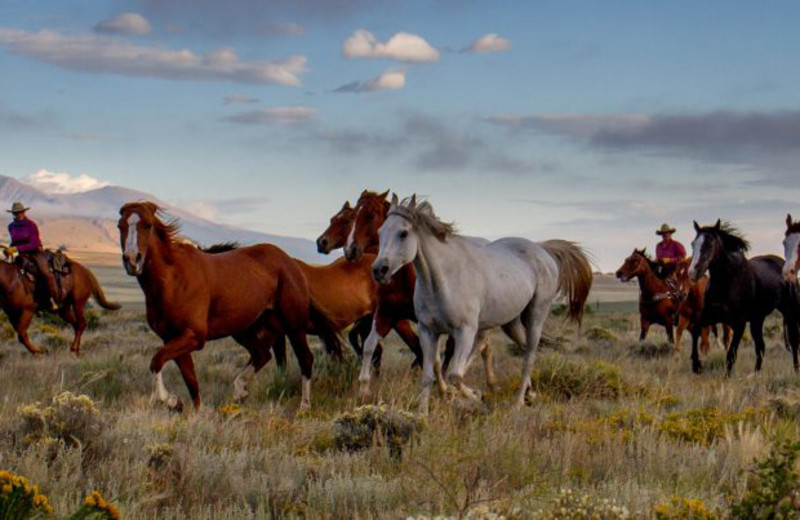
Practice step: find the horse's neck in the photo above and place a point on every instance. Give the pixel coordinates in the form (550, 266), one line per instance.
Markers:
(725, 268)
(650, 283)
(431, 262)
(157, 270)
(9, 275)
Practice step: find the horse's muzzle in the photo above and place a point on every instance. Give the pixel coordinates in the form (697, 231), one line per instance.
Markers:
(621, 277)
(322, 245)
(381, 273)
(133, 266)
(790, 274)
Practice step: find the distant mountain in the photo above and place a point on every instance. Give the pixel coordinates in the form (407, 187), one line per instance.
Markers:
(88, 220)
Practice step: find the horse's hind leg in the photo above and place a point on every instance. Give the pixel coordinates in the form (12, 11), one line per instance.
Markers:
(279, 349)
(645, 324)
(186, 366)
(534, 317)
(467, 340)
(705, 342)
(757, 331)
(730, 360)
(305, 358)
(74, 314)
(683, 324)
(257, 341)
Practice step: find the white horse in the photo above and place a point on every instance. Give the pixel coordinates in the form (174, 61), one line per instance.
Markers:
(464, 290)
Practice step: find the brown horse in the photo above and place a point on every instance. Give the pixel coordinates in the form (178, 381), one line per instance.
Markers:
(18, 295)
(657, 303)
(335, 236)
(690, 306)
(252, 294)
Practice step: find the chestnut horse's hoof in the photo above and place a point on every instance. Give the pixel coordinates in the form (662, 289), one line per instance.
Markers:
(177, 407)
(697, 369)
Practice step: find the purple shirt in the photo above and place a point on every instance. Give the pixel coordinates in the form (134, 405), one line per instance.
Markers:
(24, 235)
(672, 250)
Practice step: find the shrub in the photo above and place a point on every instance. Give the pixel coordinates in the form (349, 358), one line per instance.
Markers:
(649, 349)
(75, 420)
(682, 508)
(95, 507)
(701, 426)
(600, 335)
(773, 487)
(368, 425)
(19, 500)
(565, 378)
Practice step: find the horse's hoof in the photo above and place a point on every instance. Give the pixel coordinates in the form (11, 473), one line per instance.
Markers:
(697, 369)
(416, 364)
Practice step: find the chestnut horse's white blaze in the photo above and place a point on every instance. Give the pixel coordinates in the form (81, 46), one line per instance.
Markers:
(465, 289)
(132, 240)
(791, 244)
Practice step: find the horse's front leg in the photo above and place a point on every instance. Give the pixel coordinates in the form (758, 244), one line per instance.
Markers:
(467, 341)
(365, 376)
(429, 342)
(184, 344)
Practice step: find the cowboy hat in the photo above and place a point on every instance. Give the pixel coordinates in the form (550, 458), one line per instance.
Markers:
(664, 229)
(17, 207)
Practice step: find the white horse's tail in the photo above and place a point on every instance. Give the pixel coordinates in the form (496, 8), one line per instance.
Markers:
(574, 275)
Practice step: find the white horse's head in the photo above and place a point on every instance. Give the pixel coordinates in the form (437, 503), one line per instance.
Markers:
(399, 240)
(791, 246)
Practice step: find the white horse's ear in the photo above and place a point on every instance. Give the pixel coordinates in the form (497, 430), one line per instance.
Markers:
(788, 220)
(696, 226)
(413, 203)
(718, 224)
(395, 201)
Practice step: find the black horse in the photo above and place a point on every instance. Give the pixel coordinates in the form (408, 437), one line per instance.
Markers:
(741, 291)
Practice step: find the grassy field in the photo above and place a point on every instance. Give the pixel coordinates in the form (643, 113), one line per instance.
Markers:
(613, 420)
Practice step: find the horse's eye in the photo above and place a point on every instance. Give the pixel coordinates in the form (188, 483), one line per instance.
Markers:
(148, 227)
(403, 234)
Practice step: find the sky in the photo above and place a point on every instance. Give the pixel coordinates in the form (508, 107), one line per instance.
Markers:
(583, 120)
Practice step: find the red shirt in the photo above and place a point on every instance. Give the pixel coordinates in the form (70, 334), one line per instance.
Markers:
(672, 250)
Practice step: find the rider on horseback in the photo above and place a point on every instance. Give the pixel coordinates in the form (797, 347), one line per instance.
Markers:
(25, 241)
(669, 253)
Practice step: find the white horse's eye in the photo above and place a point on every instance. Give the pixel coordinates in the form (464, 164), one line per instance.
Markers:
(403, 234)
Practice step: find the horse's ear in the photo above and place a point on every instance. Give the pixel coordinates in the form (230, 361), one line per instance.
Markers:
(696, 226)
(718, 224)
(364, 192)
(413, 203)
(383, 195)
(395, 201)
(788, 220)
(346, 205)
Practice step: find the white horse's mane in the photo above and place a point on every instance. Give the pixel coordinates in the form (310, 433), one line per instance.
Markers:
(422, 216)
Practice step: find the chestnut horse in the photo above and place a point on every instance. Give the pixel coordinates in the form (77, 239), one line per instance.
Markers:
(252, 294)
(657, 303)
(693, 295)
(17, 294)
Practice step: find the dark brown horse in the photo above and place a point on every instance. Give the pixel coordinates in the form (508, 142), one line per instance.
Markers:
(338, 230)
(252, 294)
(18, 295)
(657, 303)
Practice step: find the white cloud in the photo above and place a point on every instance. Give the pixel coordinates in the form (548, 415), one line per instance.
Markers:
(391, 79)
(490, 43)
(102, 54)
(126, 23)
(276, 115)
(402, 46)
(61, 182)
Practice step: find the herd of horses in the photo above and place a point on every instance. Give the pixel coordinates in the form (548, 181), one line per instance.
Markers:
(403, 264)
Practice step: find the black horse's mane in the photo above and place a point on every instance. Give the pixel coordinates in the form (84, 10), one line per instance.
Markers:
(731, 237)
(221, 248)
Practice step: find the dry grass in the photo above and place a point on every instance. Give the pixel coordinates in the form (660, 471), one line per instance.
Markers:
(611, 421)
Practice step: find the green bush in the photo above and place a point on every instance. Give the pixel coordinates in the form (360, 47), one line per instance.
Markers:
(773, 487)
(368, 425)
(562, 377)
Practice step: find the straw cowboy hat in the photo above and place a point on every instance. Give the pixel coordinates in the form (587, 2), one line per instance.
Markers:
(664, 229)
(17, 207)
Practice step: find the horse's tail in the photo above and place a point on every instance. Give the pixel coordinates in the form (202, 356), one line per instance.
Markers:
(325, 329)
(99, 295)
(574, 275)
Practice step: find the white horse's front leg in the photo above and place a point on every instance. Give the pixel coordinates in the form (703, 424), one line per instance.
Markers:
(240, 383)
(488, 363)
(467, 341)
(365, 375)
(429, 342)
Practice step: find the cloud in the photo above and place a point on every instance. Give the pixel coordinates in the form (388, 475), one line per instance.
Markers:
(391, 79)
(126, 23)
(19, 121)
(60, 182)
(101, 54)
(282, 29)
(573, 125)
(230, 99)
(276, 115)
(489, 43)
(401, 47)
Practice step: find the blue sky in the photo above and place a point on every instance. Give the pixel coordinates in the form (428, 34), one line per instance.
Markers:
(593, 121)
